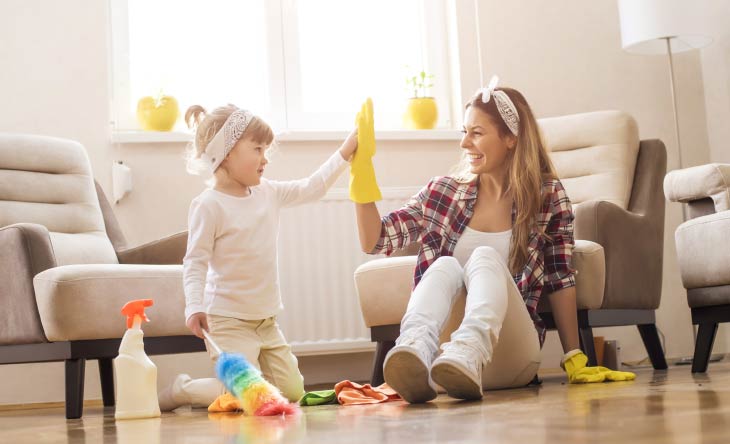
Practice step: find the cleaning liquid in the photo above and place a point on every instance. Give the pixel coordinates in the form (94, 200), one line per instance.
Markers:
(136, 374)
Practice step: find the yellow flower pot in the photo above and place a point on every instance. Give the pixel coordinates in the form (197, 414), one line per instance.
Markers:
(421, 113)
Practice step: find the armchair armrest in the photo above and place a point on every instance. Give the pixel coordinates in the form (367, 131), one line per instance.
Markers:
(25, 250)
(701, 182)
(633, 247)
(166, 251)
(384, 287)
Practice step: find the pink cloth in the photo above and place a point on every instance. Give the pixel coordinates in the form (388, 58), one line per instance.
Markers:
(352, 393)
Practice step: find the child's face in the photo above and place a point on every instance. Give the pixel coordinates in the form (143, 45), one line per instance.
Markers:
(486, 149)
(246, 161)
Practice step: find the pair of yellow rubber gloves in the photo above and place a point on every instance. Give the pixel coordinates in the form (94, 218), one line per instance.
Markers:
(574, 363)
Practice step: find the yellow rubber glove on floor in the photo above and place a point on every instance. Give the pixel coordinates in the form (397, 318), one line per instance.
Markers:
(363, 185)
(574, 364)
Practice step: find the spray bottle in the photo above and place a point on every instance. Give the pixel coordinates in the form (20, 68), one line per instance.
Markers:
(136, 373)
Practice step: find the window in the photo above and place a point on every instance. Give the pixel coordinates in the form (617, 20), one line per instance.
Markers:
(300, 64)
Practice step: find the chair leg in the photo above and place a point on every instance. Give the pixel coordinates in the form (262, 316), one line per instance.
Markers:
(75, 369)
(586, 344)
(106, 376)
(381, 349)
(703, 347)
(650, 336)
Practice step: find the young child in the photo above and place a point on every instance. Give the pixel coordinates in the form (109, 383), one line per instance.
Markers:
(230, 272)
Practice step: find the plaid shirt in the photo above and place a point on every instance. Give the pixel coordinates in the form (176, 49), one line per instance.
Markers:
(438, 214)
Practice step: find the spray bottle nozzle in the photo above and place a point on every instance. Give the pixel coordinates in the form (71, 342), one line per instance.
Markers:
(136, 308)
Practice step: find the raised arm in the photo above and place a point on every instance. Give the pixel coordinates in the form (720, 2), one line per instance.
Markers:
(369, 225)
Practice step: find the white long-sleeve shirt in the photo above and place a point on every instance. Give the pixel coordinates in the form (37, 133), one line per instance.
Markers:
(230, 267)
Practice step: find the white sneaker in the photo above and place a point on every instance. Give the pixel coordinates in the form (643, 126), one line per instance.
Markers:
(167, 397)
(459, 371)
(406, 367)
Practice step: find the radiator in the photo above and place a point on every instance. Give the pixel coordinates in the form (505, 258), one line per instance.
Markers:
(319, 251)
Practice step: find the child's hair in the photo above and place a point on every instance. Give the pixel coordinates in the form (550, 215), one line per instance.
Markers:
(529, 166)
(206, 125)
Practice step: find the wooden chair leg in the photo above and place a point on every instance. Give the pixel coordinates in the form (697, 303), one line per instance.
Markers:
(650, 336)
(381, 349)
(106, 376)
(586, 344)
(703, 347)
(75, 369)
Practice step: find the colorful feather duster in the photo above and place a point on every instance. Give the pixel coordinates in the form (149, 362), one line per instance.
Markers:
(258, 397)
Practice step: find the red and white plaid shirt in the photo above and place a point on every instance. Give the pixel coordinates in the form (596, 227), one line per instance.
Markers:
(438, 214)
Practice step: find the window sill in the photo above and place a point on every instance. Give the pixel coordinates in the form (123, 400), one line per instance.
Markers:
(146, 137)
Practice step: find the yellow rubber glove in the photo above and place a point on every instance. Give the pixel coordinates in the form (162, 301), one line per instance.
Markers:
(574, 364)
(363, 185)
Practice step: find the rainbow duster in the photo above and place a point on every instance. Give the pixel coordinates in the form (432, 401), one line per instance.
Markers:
(258, 397)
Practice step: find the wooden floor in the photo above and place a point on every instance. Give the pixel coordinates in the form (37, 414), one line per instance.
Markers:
(659, 407)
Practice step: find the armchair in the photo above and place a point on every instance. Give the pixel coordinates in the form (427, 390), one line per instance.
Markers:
(66, 271)
(703, 249)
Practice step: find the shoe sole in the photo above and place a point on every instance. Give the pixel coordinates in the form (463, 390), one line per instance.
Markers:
(408, 376)
(455, 381)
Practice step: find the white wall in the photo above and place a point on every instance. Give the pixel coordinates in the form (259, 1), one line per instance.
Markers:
(716, 78)
(565, 56)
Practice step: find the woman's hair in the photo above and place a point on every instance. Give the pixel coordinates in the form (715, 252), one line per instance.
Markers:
(529, 166)
(206, 126)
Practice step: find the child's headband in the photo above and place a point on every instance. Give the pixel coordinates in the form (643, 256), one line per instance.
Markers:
(506, 108)
(225, 139)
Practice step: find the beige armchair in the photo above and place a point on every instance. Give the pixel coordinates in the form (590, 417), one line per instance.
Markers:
(614, 182)
(703, 249)
(66, 271)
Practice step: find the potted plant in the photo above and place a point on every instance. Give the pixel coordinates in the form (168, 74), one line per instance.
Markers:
(421, 112)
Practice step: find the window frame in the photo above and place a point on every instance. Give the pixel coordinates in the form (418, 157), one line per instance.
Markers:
(285, 87)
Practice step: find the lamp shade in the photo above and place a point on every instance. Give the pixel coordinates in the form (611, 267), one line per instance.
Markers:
(644, 23)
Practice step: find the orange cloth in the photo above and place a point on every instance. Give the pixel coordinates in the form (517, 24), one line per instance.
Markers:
(352, 393)
(225, 403)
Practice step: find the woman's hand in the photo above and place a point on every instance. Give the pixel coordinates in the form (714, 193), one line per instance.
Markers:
(349, 146)
(197, 323)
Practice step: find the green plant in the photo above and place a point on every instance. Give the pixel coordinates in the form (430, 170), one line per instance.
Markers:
(419, 83)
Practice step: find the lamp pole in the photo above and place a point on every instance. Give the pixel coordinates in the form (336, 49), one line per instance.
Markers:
(676, 116)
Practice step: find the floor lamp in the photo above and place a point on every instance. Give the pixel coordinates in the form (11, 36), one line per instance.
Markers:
(665, 27)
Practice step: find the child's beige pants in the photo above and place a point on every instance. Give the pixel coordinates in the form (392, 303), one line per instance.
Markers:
(262, 343)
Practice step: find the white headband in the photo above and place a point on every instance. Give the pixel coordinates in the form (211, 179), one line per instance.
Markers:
(225, 139)
(504, 104)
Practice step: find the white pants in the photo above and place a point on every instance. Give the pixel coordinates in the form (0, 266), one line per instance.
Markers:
(263, 345)
(496, 322)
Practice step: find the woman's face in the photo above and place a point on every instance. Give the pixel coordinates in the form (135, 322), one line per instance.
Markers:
(486, 150)
(246, 161)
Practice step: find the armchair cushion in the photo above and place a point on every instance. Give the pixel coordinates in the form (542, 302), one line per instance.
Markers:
(595, 154)
(703, 250)
(384, 286)
(78, 302)
(47, 181)
(700, 182)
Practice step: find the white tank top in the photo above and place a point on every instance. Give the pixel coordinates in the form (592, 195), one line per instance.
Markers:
(470, 239)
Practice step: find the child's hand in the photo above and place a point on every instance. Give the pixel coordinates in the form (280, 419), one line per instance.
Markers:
(197, 323)
(349, 146)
